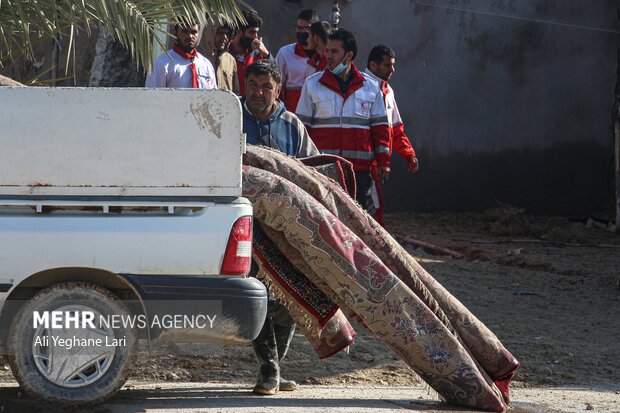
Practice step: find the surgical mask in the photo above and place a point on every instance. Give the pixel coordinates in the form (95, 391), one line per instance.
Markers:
(302, 38)
(340, 68)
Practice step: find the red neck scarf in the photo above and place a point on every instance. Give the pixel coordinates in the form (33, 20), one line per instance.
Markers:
(192, 65)
(300, 51)
(318, 61)
(385, 89)
(329, 80)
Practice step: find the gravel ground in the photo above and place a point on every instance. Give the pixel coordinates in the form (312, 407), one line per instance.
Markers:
(548, 288)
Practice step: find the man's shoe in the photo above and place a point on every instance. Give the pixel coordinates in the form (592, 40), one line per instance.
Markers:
(266, 389)
(287, 385)
(268, 382)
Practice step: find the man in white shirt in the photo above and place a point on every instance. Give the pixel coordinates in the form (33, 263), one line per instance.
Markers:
(183, 66)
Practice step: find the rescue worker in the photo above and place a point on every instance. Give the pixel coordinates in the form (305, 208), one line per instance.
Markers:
(247, 46)
(299, 60)
(380, 67)
(345, 114)
(319, 32)
(267, 122)
(183, 66)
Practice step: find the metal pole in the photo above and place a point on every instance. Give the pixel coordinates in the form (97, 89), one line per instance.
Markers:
(335, 15)
(617, 157)
(617, 138)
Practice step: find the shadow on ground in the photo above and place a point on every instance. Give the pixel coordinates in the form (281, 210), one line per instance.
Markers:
(239, 399)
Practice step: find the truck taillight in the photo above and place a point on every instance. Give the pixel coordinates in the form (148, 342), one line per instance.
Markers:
(239, 248)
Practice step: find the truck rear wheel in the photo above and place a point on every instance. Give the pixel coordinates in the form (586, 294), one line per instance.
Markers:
(71, 361)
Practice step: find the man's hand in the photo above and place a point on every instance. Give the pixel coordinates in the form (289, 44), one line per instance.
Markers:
(384, 172)
(414, 166)
(257, 44)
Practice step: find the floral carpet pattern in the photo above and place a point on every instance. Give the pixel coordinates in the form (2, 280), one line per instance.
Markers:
(353, 266)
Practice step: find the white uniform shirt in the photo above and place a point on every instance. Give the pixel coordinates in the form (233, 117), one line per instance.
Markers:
(390, 101)
(400, 141)
(174, 72)
(293, 67)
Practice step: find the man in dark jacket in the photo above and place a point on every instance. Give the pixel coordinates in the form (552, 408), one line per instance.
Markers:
(267, 122)
(265, 119)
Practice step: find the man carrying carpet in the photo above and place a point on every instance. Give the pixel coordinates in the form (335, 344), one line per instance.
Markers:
(267, 122)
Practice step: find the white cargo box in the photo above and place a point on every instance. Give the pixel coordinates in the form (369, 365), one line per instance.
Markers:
(119, 142)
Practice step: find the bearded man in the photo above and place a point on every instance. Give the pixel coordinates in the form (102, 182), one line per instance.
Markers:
(182, 66)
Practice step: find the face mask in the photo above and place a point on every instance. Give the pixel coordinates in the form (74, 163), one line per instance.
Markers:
(246, 42)
(340, 68)
(302, 38)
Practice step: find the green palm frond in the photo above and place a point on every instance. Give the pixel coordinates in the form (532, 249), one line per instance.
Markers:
(132, 22)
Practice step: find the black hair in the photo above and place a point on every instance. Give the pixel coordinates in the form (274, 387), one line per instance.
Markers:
(309, 15)
(377, 53)
(264, 67)
(349, 44)
(230, 32)
(321, 29)
(252, 20)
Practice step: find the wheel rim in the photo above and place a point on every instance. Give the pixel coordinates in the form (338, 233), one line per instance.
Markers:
(76, 365)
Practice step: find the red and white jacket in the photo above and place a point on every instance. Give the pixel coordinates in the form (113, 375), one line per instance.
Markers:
(295, 67)
(354, 125)
(400, 141)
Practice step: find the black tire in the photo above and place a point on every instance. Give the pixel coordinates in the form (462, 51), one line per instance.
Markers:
(28, 371)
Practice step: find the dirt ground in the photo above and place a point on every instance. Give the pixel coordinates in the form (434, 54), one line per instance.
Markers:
(549, 289)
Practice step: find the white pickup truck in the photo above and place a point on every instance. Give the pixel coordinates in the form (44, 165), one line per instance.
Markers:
(121, 205)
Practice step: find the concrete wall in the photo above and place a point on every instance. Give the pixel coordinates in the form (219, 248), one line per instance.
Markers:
(514, 110)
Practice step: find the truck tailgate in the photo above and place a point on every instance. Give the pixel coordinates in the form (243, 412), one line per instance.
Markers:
(119, 142)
